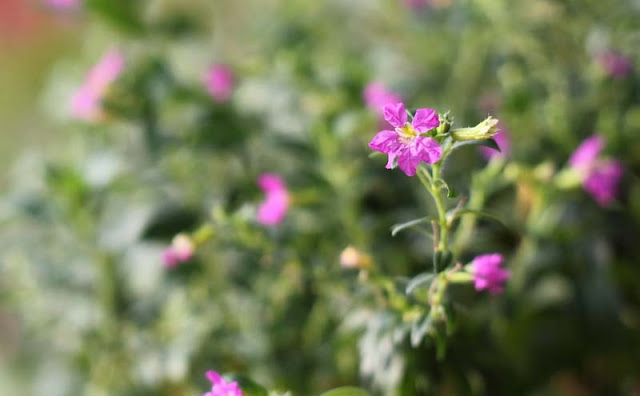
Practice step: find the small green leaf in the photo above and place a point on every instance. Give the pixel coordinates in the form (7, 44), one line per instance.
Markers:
(491, 143)
(479, 213)
(451, 192)
(346, 391)
(412, 223)
(420, 280)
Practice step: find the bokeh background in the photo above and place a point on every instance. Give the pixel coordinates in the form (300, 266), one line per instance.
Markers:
(87, 208)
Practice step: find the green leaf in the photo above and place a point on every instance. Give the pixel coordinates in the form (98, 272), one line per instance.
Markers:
(479, 213)
(419, 329)
(491, 143)
(412, 223)
(346, 391)
(451, 192)
(420, 280)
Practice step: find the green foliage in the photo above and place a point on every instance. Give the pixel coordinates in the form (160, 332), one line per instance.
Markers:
(84, 222)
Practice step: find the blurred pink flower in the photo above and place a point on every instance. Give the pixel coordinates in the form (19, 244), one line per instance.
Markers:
(504, 142)
(219, 81)
(376, 96)
(220, 387)
(615, 64)
(63, 4)
(416, 4)
(273, 209)
(487, 273)
(405, 143)
(86, 104)
(180, 250)
(600, 176)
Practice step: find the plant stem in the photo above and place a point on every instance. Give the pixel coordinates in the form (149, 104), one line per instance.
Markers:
(442, 214)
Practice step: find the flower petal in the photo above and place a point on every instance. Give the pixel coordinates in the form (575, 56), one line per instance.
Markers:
(425, 119)
(603, 182)
(426, 149)
(269, 182)
(384, 142)
(395, 114)
(586, 154)
(213, 376)
(408, 162)
(391, 161)
(274, 208)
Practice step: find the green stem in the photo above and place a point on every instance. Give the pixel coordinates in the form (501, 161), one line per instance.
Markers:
(443, 244)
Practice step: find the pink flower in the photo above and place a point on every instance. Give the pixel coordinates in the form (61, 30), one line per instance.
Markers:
(376, 96)
(64, 4)
(405, 144)
(86, 104)
(504, 142)
(273, 209)
(181, 250)
(219, 82)
(487, 273)
(615, 64)
(416, 5)
(220, 387)
(600, 176)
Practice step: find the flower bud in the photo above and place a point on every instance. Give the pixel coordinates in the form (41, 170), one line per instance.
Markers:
(484, 130)
(353, 258)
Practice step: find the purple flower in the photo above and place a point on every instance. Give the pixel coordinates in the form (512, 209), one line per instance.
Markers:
(416, 5)
(180, 250)
(273, 209)
(86, 104)
(487, 273)
(405, 144)
(64, 4)
(219, 81)
(600, 176)
(587, 153)
(220, 387)
(504, 142)
(615, 64)
(376, 96)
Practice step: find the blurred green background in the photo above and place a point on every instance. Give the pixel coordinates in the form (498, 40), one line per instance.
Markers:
(87, 307)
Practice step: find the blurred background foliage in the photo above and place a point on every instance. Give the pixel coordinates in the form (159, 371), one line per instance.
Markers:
(86, 306)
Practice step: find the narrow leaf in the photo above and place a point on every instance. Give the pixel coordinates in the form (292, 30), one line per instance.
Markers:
(412, 223)
(423, 279)
(491, 143)
(479, 213)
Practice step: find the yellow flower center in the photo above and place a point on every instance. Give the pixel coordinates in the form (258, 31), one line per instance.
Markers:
(407, 131)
